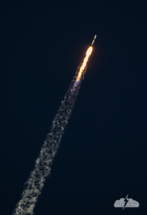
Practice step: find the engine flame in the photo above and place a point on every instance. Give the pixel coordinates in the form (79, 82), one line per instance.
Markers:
(88, 53)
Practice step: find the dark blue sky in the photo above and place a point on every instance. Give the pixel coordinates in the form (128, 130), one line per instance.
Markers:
(103, 153)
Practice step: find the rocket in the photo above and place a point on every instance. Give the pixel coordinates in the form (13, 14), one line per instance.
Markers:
(94, 40)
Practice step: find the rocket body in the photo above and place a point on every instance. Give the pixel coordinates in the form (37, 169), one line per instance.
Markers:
(94, 40)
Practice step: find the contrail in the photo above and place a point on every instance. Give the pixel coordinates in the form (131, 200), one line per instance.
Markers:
(49, 149)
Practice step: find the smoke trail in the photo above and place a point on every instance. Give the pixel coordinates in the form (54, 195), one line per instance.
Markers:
(42, 168)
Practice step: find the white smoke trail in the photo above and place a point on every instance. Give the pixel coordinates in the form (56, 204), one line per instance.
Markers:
(42, 168)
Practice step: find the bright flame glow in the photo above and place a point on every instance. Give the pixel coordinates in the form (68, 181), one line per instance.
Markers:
(88, 53)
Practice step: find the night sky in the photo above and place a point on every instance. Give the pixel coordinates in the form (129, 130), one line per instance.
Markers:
(103, 152)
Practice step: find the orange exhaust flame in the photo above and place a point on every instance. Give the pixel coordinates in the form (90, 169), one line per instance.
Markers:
(88, 53)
